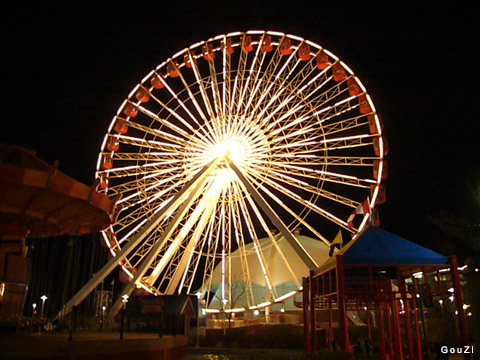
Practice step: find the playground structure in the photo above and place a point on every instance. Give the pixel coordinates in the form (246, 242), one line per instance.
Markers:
(387, 278)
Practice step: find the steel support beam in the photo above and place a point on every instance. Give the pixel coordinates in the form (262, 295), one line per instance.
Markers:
(136, 239)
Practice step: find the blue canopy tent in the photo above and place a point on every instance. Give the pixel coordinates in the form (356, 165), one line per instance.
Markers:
(377, 246)
(384, 273)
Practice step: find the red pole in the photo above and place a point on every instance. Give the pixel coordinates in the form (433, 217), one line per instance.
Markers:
(408, 320)
(342, 313)
(306, 341)
(417, 328)
(369, 325)
(313, 325)
(462, 319)
(389, 324)
(381, 332)
(397, 340)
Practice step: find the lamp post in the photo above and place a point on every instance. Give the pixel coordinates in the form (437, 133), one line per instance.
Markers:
(199, 298)
(122, 324)
(103, 316)
(34, 305)
(44, 298)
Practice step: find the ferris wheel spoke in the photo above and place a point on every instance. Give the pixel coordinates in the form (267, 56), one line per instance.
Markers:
(213, 242)
(149, 194)
(202, 213)
(174, 146)
(174, 245)
(206, 136)
(273, 99)
(252, 82)
(136, 170)
(206, 100)
(176, 129)
(216, 96)
(155, 249)
(193, 99)
(189, 282)
(307, 203)
(162, 158)
(347, 142)
(272, 239)
(183, 268)
(330, 93)
(197, 131)
(345, 125)
(239, 83)
(256, 244)
(240, 239)
(314, 84)
(300, 250)
(257, 81)
(298, 218)
(323, 175)
(226, 88)
(305, 186)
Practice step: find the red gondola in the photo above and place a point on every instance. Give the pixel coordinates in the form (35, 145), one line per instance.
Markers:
(353, 87)
(120, 126)
(130, 110)
(157, 81)
(107, 163)
(364, 105)
(172, 69)
(286, 46)
(142, 95)
(227, 46)
(304, 52)
(322, 60)
(267, 43)
(112, 143)
(187, 59)
(207, 51)
(339, 72)
(247, 43)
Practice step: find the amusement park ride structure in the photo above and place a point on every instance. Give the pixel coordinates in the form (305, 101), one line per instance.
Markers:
(37, 200)
(230, 140)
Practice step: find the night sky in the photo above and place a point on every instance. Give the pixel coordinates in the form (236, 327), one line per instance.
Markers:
(66, 71)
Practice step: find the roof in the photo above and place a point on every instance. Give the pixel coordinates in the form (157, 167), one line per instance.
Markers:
(39, 200)
(178, 304)
(377, 246)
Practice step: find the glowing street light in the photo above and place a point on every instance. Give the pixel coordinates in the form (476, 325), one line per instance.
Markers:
(125, 300)
(34, 305)
(199, 298)
(44, 298)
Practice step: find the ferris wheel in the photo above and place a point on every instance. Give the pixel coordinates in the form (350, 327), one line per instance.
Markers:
(243, 136)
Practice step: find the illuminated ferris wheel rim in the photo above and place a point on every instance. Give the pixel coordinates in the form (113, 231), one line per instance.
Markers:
(176, 64)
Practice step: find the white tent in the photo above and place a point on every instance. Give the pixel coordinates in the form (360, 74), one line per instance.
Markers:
(284, 272)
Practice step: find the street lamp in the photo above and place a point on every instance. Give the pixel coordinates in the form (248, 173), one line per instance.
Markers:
(103, 316)
(125, 300)
(34, 305)
(122, 323)
(43, 297)
(199, 298)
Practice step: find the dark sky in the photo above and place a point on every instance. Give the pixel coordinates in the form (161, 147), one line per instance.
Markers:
(66, 70)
